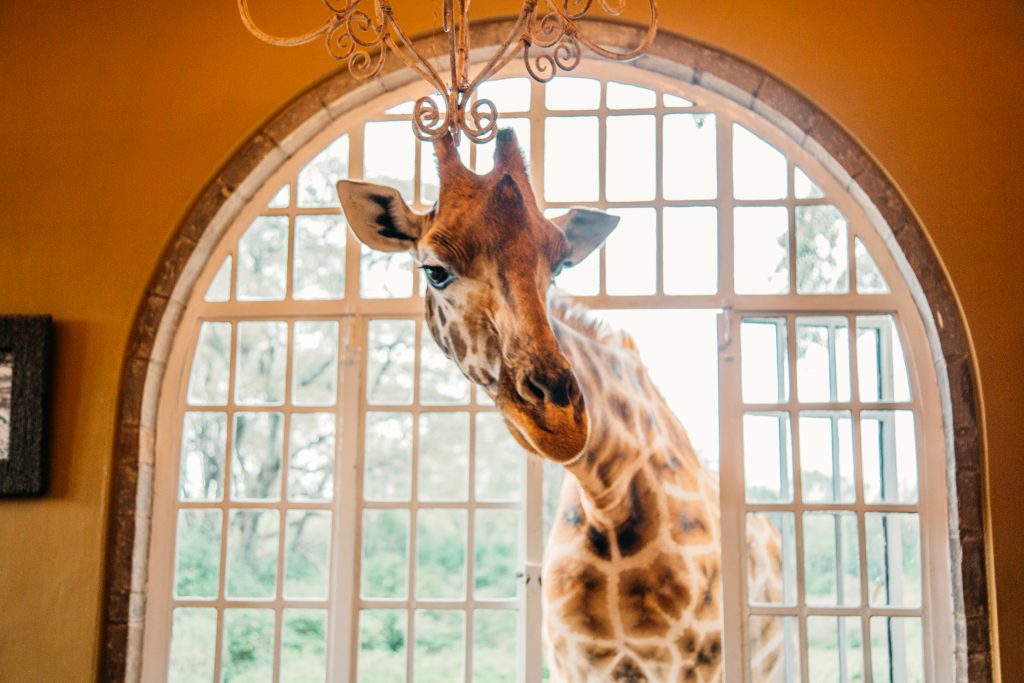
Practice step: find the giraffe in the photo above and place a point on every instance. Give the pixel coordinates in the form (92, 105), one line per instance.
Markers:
(631, 577)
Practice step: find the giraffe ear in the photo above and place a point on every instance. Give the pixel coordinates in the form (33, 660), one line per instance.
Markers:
(379, 216)
(585, 230)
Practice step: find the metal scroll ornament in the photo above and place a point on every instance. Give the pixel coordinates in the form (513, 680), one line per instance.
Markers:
(546, 34)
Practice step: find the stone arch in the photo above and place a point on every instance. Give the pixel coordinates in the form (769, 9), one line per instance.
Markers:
(171, 284)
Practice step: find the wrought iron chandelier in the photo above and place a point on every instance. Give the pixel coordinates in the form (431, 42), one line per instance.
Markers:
(546, 33)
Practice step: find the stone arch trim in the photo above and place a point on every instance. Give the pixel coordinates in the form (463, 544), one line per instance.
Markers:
(162, 306)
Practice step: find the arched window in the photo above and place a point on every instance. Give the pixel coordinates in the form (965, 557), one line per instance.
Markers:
(333, 501)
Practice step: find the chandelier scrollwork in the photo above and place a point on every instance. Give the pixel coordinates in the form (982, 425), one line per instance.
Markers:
(547, 34)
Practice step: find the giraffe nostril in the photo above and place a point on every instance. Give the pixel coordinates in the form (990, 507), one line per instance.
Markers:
(534, 390)
(559, 389)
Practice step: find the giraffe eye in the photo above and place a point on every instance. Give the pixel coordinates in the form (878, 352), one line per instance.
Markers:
(562, 266)
(438, 277)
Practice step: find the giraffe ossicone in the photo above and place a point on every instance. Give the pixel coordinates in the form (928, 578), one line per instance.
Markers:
(631, 576)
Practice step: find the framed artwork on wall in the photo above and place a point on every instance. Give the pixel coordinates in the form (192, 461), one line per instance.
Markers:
(25, 354)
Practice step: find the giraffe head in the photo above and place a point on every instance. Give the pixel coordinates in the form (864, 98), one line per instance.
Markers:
(489, 254)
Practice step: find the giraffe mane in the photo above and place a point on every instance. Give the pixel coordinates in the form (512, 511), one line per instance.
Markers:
(582, 320)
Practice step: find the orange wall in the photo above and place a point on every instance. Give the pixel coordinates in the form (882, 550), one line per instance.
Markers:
(114, 114)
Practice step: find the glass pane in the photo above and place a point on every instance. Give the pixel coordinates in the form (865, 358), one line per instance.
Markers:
(804, 187)
(675, 101)
(319, 267)
(318, 180)
(771, 558)
(894, 558)
(256, 456)
(570, 159)
(384, 567)
(220, 286)
(197, 551)
(767, 458)
(430, 184)
(822, 261)
(307, 554)
(382, 646)
(564, 93)
(554, 478)
(691, 250)
(252, 554)
(388, 458)
(822, 360)
(441, 381)
(389, 155)
(441, 555)
(193, 645)
(881, 366)
(304, 646)
(631, 159)
(315, 363)
(440, 649)
(496, 554)
(869, 277)
(508, 95)
(263, 259)
(248, 651)
(498, 459)
(631, 253)
(835, 649)
(444, 456)
(896, 650)
(485, 152)
(582, 279)
(889, 448)
(765, 360)
(311, 456)
(689, 159)
(495, 646)
(775, 650)
(203, 443)
(826, 457)
(759, 170)
(281, 198)
(624, 96)
(208, 381)
(390, 361)
(762, 250)
(831, 559)
(261, 361)
(384, 275)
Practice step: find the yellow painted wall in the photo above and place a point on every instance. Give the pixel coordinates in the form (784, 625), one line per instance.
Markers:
(114, 114)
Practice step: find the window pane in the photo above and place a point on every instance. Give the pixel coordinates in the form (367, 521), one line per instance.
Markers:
(759, 170)
(822, 261)
(252, 554)
(263, 260)
(389, 361)
(831, 559)
(304, 646)
(382, 646)
(497, 554)
(826, 457)
(311, 459)
(835, 649)
(498, 460)
(248, 652)
(625, 96)
(389, 155)
(444, 456)
(771, 558)
(881, 367)
(440, 650)
(889, 449)
(197, 568)
(441, 381)
(319, 267)
(689, 158)
(318, 181)
(256, 456)
(566, 92)
(203, 443)
(281, 198)
(570, 159)
(631, 253)
(765, 360)
(307, 554)
(869, 277)
(508, 95)
(690, 253)
(384, 275)
(762, 250)
(315, 363)
(767, 457)
(388, 457)
(495, 646)
(441, 555)
(208, 382)
(260, 366)
(631, 159)
(384, 567)
(775, 650)
(804, 187)
(823, 360)
(220, 286)
(896, 650)
(193, 645)
(676, 101)
(894, 558)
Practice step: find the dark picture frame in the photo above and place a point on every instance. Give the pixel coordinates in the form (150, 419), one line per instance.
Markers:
(26, 346)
